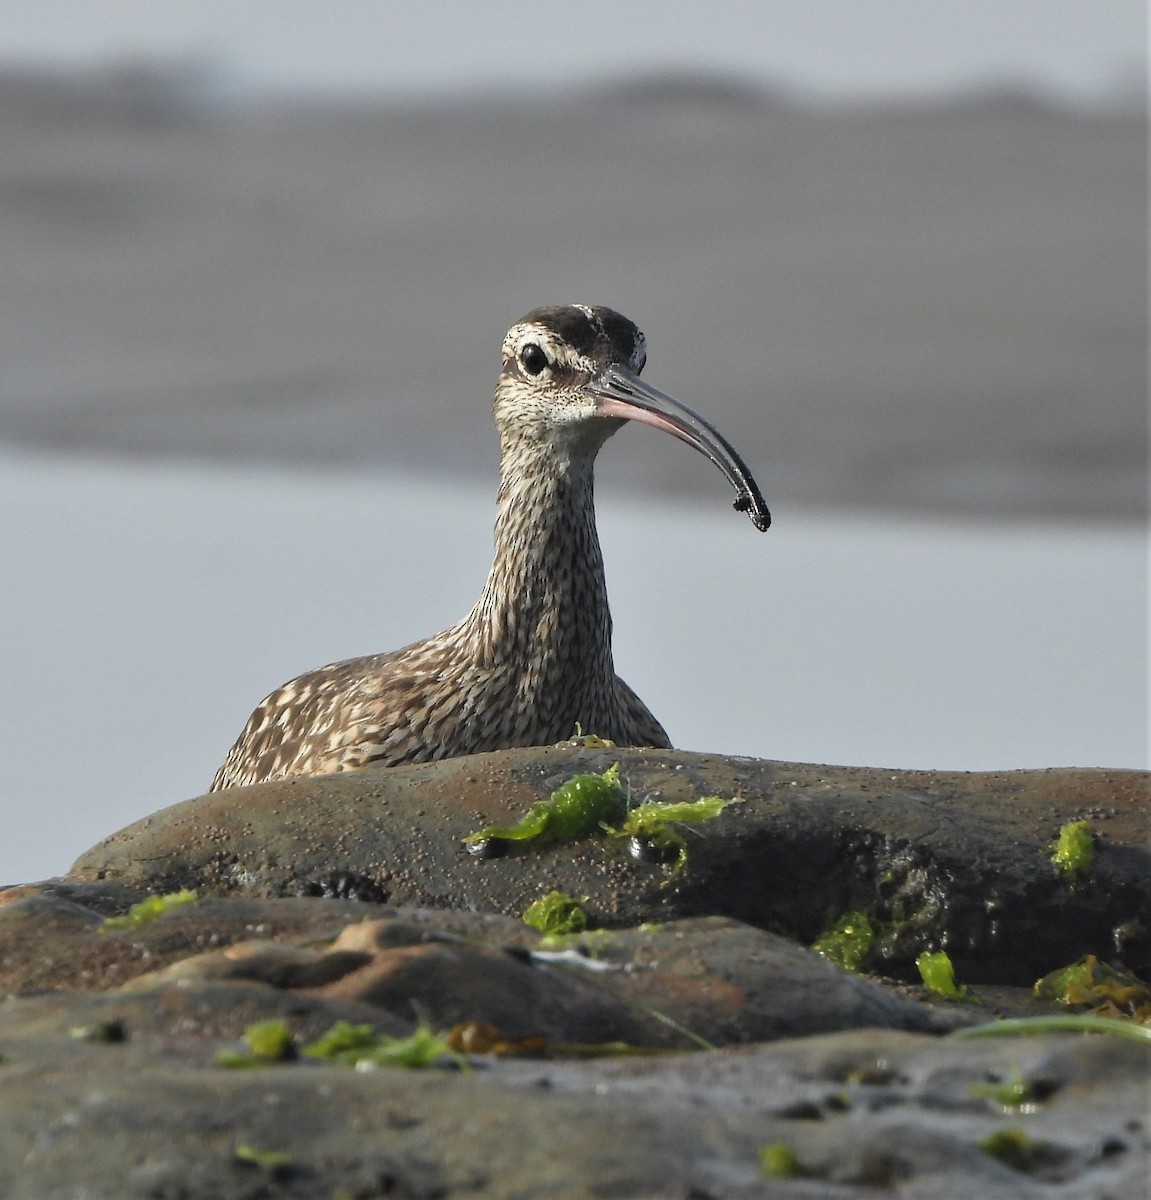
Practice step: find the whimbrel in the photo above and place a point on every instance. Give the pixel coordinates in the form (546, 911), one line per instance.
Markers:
(532, 661)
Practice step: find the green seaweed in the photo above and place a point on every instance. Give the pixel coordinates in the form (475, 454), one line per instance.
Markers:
(273, 1161)
(1037, 1026)
(656, 823)
(589, 804)
(352, 1045)
(1073, 852)
(777, 1160)
(268, 1042)
(689, 1034)
(343, 1043)
(1012, 1147)
(573, 811)
(938, 975)
(588, 741)
(556, 913)
(1016, 1091)
(148, 910)
(591, 944)
(848, 942)
(1104, 990)
(271, 1040)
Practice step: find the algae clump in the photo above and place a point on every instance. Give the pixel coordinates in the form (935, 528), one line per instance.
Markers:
(1073, 851)
(655, 823)
(1012, 1147)
(777, 1160)
(1105, 990)
(273, 1161)
(848, 942)
(573, 811)
(1017, 1091)
(268, 1042)
(556, 913)
(590, 804)
(149, 909)
(588, 741)
(938, 976)
(361, 1047)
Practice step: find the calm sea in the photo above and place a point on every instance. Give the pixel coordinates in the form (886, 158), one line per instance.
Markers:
(147, 607)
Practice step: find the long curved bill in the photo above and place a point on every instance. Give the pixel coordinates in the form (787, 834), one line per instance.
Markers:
(621, 393)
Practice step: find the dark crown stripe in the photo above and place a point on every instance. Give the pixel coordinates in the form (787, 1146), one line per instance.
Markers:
(586, 335)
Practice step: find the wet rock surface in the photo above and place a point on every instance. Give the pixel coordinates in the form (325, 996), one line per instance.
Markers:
(954, 860)
(672, 1042)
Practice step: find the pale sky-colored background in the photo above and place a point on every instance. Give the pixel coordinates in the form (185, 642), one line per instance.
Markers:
(1085, 48)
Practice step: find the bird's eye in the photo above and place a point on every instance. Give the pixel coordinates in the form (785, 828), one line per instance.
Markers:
(533, 359)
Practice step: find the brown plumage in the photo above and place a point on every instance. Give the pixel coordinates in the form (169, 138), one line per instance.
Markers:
(532, 660)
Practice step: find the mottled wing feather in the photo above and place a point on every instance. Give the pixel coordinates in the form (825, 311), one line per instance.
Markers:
(390, 709)
(312, 725)
(641, 726)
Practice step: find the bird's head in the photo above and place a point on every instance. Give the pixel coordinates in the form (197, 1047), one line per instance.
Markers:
(570, 379)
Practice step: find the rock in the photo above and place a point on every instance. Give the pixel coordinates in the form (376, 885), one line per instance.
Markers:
(858, 1111)
(352, 899)
(680, 985)
(940, 860)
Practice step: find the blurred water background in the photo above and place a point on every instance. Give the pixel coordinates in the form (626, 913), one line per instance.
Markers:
(257, 263)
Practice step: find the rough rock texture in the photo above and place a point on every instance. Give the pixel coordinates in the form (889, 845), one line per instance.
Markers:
(867, 1115)
(723, 981)
(352, 898)
(953, 860)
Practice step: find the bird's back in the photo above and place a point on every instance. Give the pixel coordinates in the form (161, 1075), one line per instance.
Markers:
(417, 705)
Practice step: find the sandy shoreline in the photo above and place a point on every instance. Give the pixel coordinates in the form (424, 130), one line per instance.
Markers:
(938, 308)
